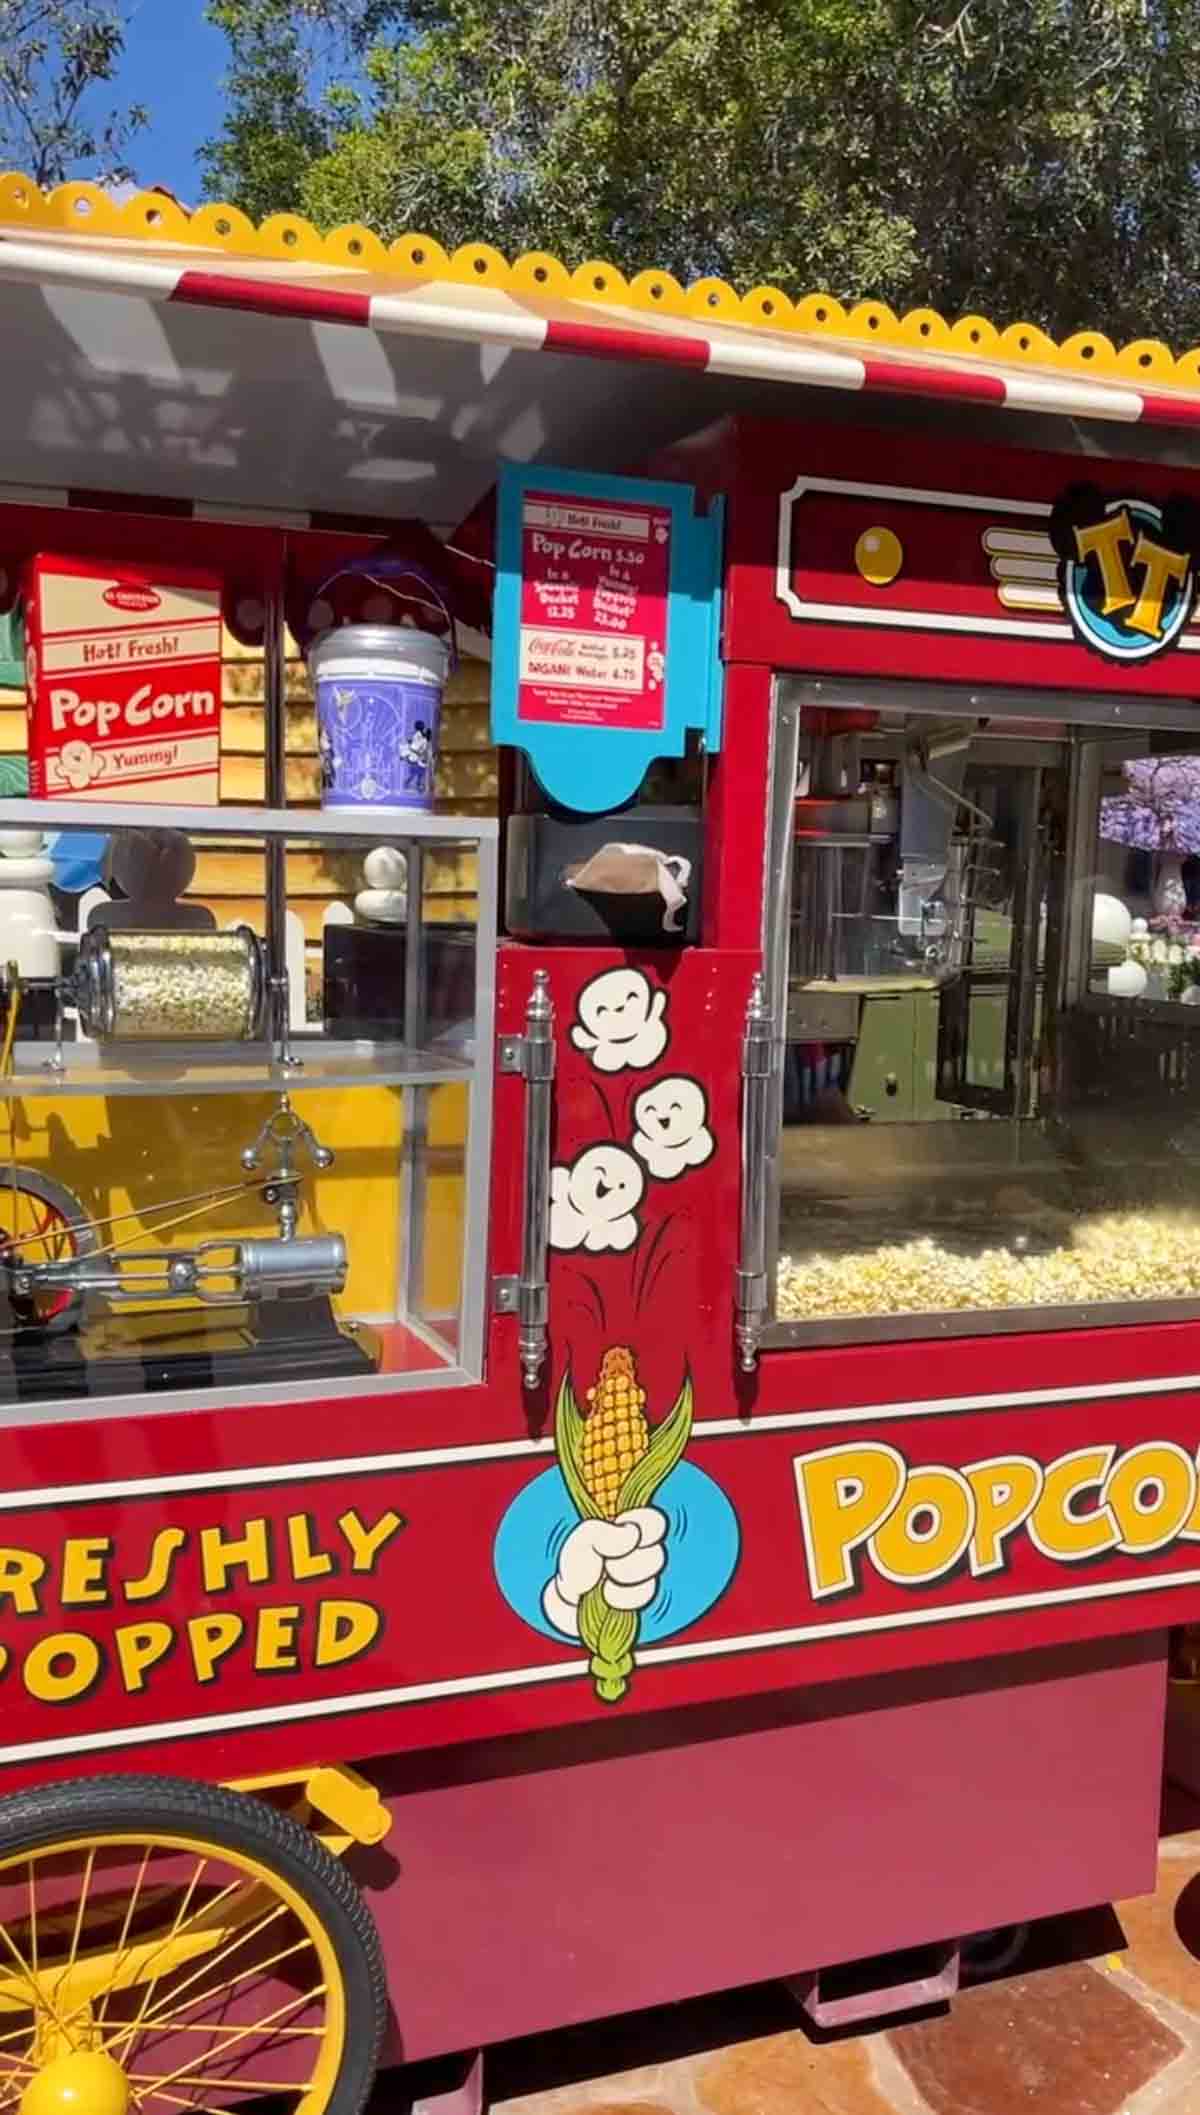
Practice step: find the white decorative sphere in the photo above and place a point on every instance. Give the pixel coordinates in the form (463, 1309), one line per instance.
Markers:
(1112, 924)
(21, 844)
(1127, 981)
(385, 868)
(1139, 929)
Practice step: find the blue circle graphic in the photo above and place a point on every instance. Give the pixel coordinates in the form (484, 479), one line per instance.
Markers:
(1111, 635)
(703, 1546)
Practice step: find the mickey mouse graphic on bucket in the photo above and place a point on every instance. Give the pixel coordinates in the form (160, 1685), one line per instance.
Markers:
(378, 690)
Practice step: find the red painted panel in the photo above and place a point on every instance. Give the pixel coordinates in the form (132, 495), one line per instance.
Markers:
(736, 819)
(881, 1818)
(456, 1640)
(802, 496)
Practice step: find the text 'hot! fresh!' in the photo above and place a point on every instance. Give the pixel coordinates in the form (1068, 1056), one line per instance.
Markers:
(67, 1657)
(864, 1506)
(115, 661)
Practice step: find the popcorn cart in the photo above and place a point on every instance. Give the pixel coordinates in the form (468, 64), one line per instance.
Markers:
(599, 1373)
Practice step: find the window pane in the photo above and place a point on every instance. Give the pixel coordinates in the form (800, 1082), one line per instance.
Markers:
(990, 1094)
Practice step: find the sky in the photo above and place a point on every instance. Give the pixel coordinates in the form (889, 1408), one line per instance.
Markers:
(173, 64)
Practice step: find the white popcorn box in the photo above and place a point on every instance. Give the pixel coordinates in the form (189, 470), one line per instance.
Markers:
(124, 682)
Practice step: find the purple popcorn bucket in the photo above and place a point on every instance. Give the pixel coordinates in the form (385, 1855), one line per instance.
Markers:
(378, 690)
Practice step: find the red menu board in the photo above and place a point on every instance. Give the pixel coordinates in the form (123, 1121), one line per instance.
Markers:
(594, 587)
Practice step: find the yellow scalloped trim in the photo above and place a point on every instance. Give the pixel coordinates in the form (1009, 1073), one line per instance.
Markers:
(770, 306)
(537, 272)
(358, 247)
(85, 209)
(420, 257)
(924, 326)
(658, 290)
(974, 334)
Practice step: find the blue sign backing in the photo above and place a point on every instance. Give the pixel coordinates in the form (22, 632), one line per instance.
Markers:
(593, 769)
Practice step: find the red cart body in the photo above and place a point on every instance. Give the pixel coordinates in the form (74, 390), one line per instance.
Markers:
(911, 1679)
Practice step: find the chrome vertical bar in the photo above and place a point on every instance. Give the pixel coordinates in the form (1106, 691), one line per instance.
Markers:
(275, 789)
(416, 1098)
(751, 1297)
(478, 1167)
(533, 1292)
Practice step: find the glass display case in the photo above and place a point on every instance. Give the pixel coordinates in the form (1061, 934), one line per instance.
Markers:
(245, 1085)
(983, 957)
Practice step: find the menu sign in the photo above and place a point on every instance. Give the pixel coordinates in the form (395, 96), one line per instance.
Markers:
(595, 580)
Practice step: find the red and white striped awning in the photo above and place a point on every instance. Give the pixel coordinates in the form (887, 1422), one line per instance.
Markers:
(475, 359)
(490, 315)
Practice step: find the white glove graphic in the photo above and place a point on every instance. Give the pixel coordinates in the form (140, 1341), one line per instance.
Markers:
(626, 1555)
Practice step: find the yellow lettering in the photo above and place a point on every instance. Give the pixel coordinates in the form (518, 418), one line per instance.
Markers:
(1151, 1491)
(307, 1561)
(344, 1630)
(53, 1683)
(364, 1543)
(1057, 1530)
(1005, 1493)
(1160, 567)
(211, 1639)
(84, 1560)
(220, 1555)
(1104, 542)
(1191, 1532)
(20, 1571)
(275, 1640)
(845, 1495)
(157, 1576)
(925, 1535)
(140, 1646)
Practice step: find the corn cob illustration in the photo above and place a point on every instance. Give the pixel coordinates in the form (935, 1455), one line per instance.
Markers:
(613, 1462)
(615, 1433)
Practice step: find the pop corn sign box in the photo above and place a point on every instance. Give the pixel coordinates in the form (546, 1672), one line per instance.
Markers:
(124, 675)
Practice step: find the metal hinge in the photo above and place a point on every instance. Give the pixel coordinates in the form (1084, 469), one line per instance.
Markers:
(531, 1057)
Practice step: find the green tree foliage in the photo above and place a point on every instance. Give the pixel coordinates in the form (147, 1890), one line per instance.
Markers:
(54, 57)
(1036, 158)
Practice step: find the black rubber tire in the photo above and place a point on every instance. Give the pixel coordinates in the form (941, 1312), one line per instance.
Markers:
(234, 1821)
(992, 1953)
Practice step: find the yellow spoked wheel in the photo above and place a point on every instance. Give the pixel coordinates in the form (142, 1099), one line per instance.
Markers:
(41, 1222)
(165, 1945)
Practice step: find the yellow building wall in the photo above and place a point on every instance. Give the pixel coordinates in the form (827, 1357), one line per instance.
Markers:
(123, 1153)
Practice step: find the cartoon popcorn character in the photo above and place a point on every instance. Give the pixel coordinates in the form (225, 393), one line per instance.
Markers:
(612, 1463)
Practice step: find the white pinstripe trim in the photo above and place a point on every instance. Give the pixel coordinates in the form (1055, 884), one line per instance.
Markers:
(1070, 398)
(785, 363)
(572, 1670)
(435, 319)
(911, 1619)
(888, 618)
(126, 275)
(271, 1473)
